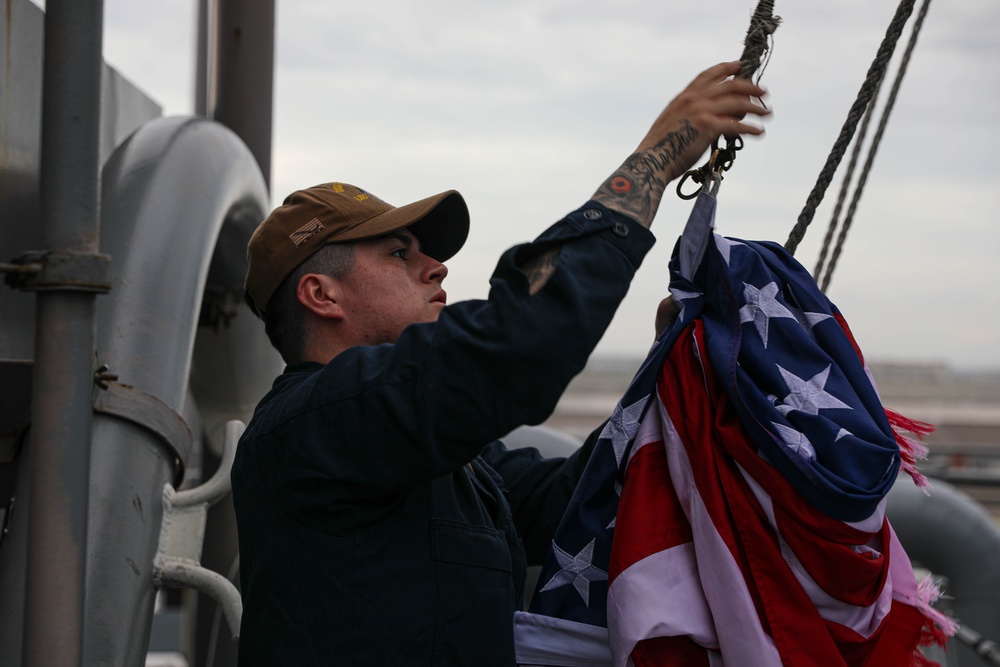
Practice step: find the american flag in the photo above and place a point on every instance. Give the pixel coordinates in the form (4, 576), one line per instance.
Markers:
(733, 510)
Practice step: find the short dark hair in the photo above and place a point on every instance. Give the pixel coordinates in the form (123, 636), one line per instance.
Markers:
(284, 321)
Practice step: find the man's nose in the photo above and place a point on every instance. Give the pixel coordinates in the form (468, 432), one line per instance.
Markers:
(435, 271)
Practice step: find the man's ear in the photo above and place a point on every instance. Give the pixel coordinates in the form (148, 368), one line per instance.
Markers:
(318, 293)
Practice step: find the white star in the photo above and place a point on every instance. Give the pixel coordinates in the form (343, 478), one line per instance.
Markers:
(842, 433)
(681, 297)
(577, 570)
(808, 396)
(761, 307)
(809, 320)
(796, 441)
(623, 425)
(725, 246)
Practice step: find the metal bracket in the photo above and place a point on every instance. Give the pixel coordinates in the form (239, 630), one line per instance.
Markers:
(182, 535)
(146, 410)
(43, 270)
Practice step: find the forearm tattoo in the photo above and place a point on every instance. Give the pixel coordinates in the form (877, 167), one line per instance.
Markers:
(539, 269)
(635, 189)
(637, 186)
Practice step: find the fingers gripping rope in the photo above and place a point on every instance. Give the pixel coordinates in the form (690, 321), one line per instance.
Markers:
(763, 23)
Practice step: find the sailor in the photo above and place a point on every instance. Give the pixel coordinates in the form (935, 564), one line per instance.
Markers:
(381, 520)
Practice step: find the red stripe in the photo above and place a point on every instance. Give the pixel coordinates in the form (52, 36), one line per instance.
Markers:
(714, 440)
(824, 545)
(709, 428)
(854, 647)
(900, 633)
(850, 577)
(672, 651)
(681, 389)
(650, 518)
(850, 335)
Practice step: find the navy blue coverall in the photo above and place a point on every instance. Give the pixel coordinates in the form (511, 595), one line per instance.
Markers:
(365, 538)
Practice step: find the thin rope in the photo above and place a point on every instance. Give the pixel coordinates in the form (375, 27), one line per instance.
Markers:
(876, 140)
(845, 185)
(763, 23)
(875, 74)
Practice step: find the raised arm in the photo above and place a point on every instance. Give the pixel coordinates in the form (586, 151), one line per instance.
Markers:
(712, 105)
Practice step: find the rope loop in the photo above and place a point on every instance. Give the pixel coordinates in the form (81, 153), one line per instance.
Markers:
(763, 23)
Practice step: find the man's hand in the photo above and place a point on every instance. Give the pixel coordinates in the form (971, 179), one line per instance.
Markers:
(666, 313)
(710, 106)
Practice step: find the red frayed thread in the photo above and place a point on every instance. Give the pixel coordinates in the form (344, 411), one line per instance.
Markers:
(910, 450)
(918, 428)
(930, 635)
(937, 628)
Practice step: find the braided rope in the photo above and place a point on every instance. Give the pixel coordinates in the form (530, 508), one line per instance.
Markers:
(763, 23)
(875, 74)
(876, 140)
(844, 187)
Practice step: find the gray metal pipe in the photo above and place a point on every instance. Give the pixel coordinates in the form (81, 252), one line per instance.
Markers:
(64, 342)
(243, 74)
(178, 194)
(952, 535)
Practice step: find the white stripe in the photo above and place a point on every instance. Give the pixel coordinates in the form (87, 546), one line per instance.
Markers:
(721, 578)
(902, 579)
(659, 596)
(872, 524)
(649, 430)
(556, 642)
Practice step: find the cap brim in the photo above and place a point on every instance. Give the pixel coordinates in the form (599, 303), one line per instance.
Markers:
(440, 223)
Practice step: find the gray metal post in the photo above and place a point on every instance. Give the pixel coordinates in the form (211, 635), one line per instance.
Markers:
(243, 78)
(202, 20)
(64, 349)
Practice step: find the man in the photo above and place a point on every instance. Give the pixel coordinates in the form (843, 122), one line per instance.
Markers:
(380, 520)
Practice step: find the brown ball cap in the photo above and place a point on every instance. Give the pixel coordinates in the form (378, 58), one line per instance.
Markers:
(336, 212)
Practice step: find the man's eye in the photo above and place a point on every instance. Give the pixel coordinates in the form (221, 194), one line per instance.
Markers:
(401, 253)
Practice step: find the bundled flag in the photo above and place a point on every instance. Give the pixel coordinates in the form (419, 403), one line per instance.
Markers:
(733, 511)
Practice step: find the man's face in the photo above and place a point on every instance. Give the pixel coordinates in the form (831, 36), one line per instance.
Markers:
(391, 285)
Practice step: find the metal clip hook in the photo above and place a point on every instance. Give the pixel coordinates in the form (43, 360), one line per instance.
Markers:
(709, 175)
(696, 175)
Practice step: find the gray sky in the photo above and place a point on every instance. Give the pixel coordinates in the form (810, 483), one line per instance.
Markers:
(525, 106)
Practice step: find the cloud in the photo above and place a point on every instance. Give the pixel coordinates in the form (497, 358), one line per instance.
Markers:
(526, 106)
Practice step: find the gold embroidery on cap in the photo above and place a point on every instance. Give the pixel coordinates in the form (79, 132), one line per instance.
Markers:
(306, 232)
(337, 187)
(367, 195)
